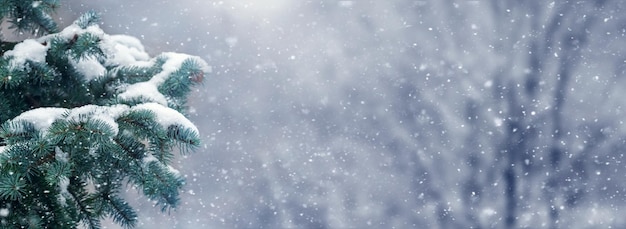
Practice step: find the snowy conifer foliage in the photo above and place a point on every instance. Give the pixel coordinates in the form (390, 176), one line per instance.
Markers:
(84, 114)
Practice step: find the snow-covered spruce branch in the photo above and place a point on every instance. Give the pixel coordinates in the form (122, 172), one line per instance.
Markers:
(83, 112)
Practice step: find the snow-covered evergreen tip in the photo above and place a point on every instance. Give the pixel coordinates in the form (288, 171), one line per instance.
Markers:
(88, 19)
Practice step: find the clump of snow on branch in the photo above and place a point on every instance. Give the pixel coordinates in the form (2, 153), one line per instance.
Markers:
(149, 89)
(127, 49)
(60, 155)
(42, 118)
(106, 114)
(90, 67)
(27, 50)
(167, 116)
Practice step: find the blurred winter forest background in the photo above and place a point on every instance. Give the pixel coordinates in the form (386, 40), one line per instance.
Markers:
(395, 113)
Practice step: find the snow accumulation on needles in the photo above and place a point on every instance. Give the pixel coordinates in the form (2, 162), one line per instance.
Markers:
(42, 118)
(149, 89)
(119, 51)
(27, 50)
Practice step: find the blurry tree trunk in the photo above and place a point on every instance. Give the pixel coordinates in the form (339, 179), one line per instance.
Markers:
(566, 47)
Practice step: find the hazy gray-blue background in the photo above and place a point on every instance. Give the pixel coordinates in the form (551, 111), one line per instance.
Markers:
(397, 113)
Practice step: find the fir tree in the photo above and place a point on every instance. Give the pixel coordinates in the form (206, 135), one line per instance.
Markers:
(84, 114)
